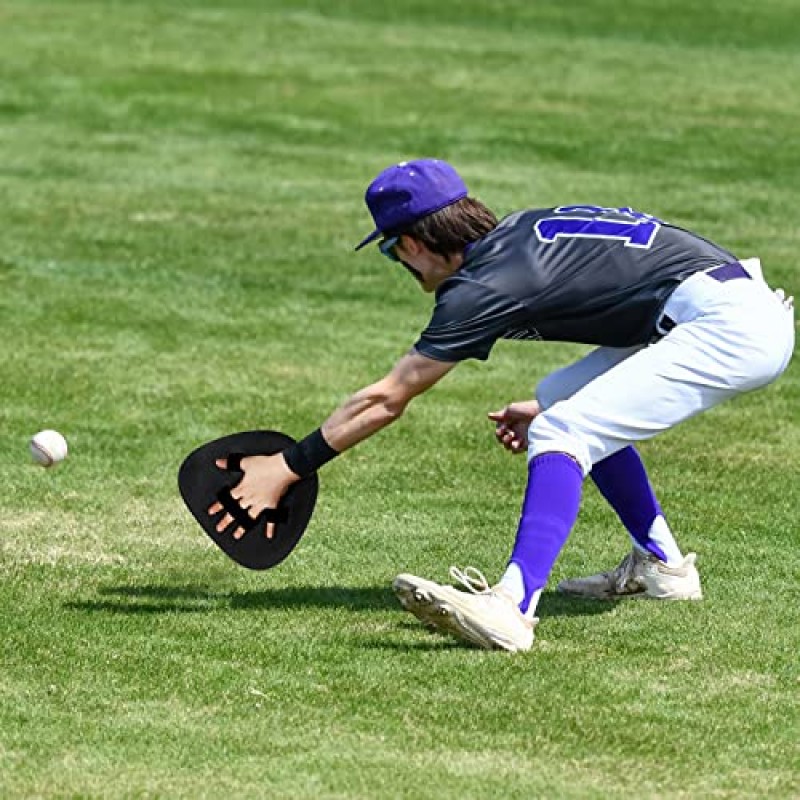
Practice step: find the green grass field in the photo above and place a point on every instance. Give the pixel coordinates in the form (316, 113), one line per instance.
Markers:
(181, 186)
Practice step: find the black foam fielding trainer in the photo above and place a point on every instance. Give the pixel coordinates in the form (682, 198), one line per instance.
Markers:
(202, 483)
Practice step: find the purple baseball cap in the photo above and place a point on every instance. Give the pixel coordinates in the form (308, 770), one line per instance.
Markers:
(408, 191)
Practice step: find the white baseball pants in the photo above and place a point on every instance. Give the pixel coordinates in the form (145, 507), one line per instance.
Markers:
(730, 337)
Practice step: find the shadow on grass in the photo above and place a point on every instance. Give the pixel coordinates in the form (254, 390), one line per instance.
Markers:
(164, 599)
(196, 599)
(553, 604)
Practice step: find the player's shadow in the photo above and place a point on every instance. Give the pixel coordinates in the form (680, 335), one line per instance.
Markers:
(192, 599)
(164, 599)
(149, 599)
(555, 604)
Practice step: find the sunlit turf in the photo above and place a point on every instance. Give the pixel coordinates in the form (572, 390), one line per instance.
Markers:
(182, 186)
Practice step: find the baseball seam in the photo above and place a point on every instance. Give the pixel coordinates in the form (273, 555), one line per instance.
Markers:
(49, 457)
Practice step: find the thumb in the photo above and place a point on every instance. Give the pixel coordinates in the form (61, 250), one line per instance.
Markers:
(498, 416)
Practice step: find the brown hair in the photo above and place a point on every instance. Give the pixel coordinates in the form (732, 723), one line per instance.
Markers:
(453, 227)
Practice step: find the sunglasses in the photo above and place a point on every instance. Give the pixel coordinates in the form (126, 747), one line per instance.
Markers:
(387, 248)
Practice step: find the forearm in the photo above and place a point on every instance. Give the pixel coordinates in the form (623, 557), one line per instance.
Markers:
(362, 415)
(366, 412)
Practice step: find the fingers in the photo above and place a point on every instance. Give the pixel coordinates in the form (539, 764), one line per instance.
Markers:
(510, 440)
(501, 431)
(227, 520)
(787, 300)
(252, 494)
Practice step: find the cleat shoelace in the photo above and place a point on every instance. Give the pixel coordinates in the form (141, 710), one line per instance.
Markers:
(624, 572)
(472, 579)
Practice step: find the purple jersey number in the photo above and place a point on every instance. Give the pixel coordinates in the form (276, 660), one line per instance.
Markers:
(637, 230)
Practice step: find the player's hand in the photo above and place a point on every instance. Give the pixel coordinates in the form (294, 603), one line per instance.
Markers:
(265, 481)
(788, 302)
(512, 423)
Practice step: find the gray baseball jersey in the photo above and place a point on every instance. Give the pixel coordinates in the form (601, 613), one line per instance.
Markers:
(573, 273)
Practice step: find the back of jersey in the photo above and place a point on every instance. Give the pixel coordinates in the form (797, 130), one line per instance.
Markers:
(588, 274)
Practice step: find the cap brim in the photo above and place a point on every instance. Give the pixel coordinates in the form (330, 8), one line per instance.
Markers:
(371, 238)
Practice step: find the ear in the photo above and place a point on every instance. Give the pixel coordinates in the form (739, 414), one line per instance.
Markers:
(410, 245)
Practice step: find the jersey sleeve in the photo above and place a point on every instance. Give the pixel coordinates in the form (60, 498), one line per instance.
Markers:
(467, 320)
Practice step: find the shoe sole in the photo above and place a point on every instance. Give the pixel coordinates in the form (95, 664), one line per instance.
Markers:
(420, 598)
(698, 595)
(587, 596)
(643, 595)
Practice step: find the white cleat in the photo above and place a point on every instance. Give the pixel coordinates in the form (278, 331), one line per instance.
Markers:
(484, 616)
(672, 583)
(625, 580)
(639, 575)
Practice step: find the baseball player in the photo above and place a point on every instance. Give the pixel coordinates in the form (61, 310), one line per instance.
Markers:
(679, 325)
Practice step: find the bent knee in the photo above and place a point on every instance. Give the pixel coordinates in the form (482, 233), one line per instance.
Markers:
(551, 433)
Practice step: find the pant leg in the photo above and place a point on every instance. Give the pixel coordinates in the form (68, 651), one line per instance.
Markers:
(730, 338)
(564, 382)
(621, 478)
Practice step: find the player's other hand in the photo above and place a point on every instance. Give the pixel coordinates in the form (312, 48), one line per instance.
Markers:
(512, 423)
(787, 300)
(265, 481)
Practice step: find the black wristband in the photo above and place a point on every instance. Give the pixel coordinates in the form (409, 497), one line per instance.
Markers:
(309, 454)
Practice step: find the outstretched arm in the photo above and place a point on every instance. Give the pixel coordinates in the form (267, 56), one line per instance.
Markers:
(266, 478)
(380, 404)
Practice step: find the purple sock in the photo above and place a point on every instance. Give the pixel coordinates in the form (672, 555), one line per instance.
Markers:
(622, 480)
(550, 508)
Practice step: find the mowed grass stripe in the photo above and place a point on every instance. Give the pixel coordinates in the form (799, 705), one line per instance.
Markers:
(182, 190)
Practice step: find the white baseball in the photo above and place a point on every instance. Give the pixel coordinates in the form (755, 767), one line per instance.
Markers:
(48, 448)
